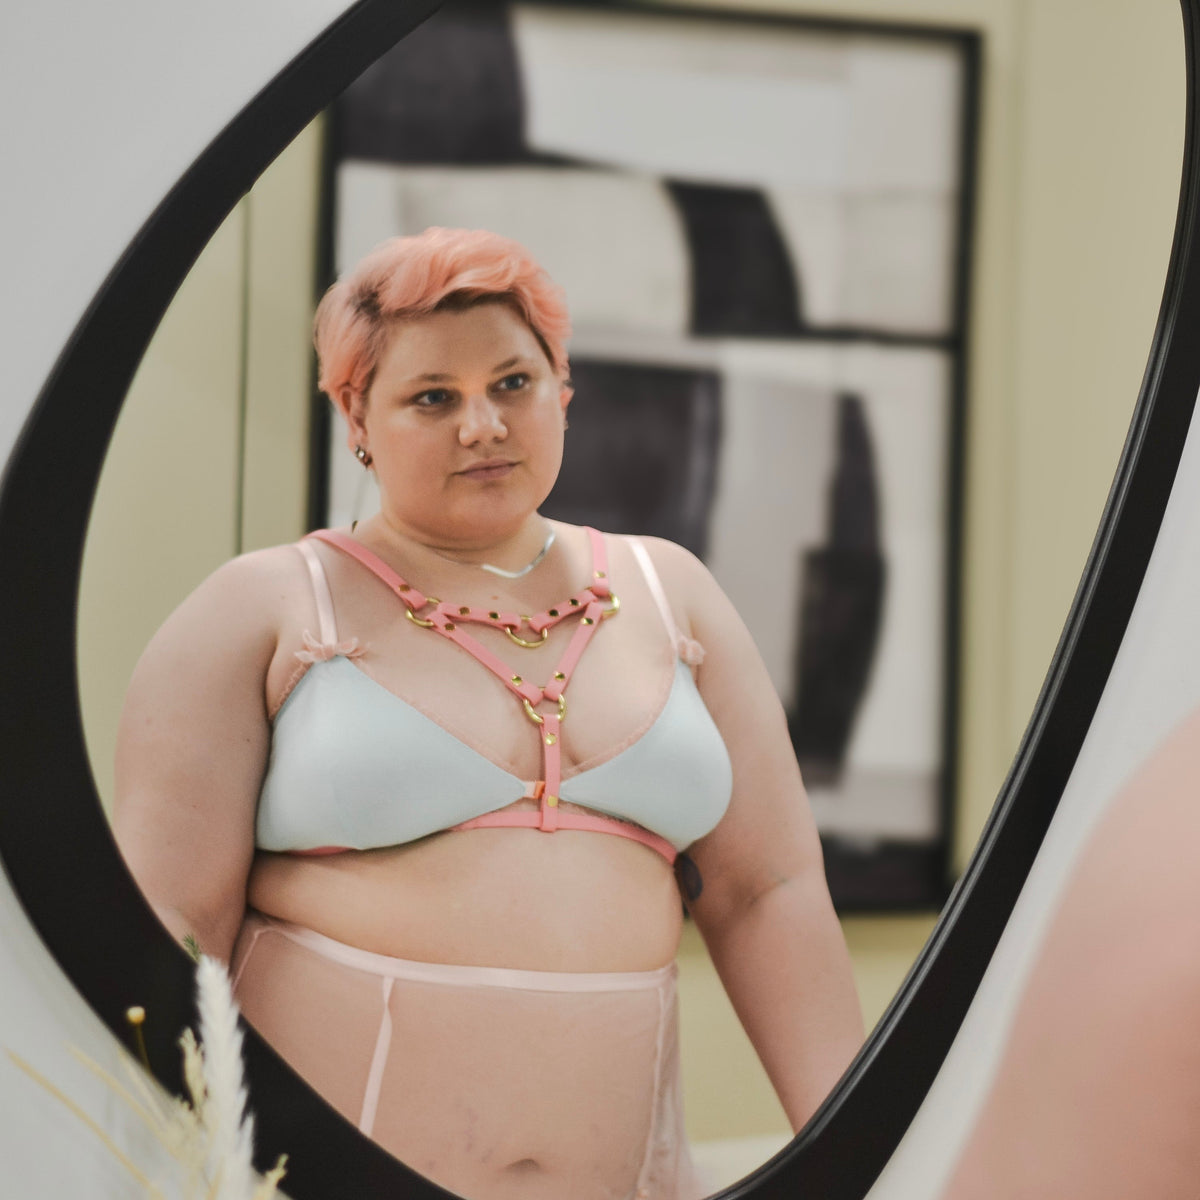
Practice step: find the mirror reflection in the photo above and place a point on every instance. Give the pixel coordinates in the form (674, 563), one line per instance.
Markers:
(787, 440)
(370, 851)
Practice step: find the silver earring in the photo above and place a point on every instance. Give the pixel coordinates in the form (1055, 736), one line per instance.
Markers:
(363, 455)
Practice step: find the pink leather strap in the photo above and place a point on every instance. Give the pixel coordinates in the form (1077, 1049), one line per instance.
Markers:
(527, 819)
(410, 595)
(448, 620)
(416, 600)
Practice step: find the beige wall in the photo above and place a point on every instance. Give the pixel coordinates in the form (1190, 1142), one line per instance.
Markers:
(210, 453)
(1080, 155)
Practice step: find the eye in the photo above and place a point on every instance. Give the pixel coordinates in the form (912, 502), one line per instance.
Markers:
(513, 383)
(434, 398)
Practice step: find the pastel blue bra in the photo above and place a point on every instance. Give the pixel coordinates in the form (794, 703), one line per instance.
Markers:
(354, 766)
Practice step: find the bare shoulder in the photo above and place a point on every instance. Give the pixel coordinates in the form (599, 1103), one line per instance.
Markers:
(235, 615)
(689, 584)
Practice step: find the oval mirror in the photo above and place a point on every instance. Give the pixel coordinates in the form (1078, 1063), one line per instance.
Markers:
(844, 1148)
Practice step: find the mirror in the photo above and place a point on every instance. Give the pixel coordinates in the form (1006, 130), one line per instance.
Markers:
(812, 1156)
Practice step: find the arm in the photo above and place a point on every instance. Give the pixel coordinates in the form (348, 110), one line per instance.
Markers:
(1099, 1085)
(191, 751)
(764, 909)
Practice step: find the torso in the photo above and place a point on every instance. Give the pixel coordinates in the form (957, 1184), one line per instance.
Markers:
(568, 901)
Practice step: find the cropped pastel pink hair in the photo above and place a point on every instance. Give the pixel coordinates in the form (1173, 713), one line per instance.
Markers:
(417, 275)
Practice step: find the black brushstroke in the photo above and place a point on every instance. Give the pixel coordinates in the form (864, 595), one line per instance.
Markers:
(743, 279)
(841, 606)
(641, 452)
(448, 93)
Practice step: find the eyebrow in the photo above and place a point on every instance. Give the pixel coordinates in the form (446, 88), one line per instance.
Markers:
(434, 377)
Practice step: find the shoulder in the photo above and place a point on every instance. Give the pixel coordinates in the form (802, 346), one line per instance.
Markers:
(676, 566)
(243, 602)
(688, 583)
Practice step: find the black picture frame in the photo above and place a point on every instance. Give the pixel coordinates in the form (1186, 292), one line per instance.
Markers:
(866, 873)
(55, 844)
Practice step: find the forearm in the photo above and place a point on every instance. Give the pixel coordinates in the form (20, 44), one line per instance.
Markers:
(784, 964)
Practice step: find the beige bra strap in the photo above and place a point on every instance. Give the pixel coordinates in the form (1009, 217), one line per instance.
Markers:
(656, 588)
(321, 593)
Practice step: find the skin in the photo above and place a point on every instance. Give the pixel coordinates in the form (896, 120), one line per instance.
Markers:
(1098, 1092)
(463, 461)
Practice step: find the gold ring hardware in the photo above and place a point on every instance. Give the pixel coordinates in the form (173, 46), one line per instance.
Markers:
(616, 607)
(522, 642)
(412, 616)
(537, 717)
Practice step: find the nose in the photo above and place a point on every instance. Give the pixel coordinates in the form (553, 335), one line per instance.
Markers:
(481, 421)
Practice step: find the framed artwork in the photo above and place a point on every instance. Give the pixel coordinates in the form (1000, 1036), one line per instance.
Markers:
(762, 226)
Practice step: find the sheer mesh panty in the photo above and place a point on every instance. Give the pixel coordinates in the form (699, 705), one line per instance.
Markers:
(494, 1083)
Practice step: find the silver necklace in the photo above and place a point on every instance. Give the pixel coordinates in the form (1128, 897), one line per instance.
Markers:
(537, 558)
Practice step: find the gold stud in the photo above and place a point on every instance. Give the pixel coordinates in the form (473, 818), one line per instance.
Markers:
(405, 587)
(552, 801)
(551, 738)
(572, 600)
(449, 626)
(464, 610)
(559, 675)
(494, 615)
(588, 621)
(517, 679)
(554, 612)
(601, 574)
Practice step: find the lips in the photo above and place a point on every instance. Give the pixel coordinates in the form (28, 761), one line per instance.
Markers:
(488, 469)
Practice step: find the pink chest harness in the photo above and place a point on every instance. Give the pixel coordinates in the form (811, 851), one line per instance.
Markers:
(544, 705)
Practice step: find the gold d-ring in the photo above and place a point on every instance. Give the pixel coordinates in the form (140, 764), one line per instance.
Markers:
(616, 606)
(522, 642)
(412, 616)
(538, 719)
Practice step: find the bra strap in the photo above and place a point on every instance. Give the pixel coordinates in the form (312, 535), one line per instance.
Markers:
(654, 583)
(327, 624)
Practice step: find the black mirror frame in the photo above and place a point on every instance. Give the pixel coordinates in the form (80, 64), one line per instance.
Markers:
(56, 846)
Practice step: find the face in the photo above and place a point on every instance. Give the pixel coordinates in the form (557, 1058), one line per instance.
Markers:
(464, 420)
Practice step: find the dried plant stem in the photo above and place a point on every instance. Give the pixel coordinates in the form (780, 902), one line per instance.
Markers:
(111, 1146)
(149, 1119)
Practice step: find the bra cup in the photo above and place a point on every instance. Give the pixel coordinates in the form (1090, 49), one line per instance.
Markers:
(352, 765)
(675, 780)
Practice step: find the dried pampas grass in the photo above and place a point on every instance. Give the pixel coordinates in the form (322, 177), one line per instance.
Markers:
(212, 1137)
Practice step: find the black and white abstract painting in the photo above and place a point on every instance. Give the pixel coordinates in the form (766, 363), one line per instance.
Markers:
(761, 227)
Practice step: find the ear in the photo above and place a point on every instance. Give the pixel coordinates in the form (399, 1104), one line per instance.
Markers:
(353, 407)
(565, 394)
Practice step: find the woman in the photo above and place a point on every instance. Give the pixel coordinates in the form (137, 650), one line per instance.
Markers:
(314, 782)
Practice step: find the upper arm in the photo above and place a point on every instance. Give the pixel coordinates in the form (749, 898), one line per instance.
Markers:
(767, 836)
(192, 747)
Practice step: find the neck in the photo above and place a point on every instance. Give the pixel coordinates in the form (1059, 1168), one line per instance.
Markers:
(511, 550)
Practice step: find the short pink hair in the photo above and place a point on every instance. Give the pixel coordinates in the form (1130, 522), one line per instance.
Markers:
(414, 276)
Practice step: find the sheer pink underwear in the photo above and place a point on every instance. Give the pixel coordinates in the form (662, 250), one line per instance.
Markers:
(498, 1084)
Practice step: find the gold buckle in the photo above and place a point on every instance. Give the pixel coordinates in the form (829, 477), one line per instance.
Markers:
(537, 717)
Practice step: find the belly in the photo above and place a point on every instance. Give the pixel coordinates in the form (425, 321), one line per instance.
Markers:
(518, 898)
(498, 1084)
